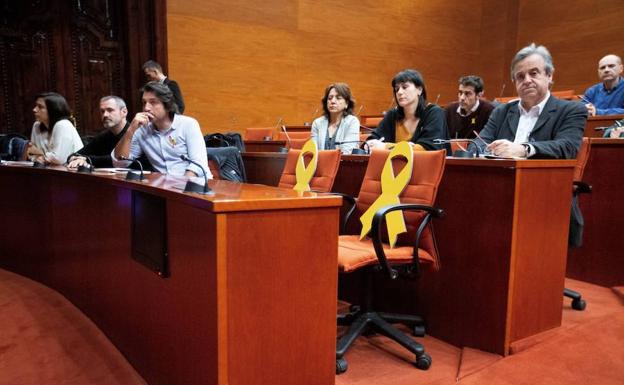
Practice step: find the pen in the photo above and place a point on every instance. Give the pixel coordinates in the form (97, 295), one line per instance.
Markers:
(479, 137)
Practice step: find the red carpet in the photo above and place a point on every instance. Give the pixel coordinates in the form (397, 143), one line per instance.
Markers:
(45, 340)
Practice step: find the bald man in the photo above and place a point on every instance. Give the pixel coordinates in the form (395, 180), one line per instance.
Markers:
(607, 98)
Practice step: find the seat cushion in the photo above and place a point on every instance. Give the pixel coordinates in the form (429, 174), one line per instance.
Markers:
(354, 254)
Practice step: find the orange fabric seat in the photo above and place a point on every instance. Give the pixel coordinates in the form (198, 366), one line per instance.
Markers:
(354, 254)
(326, 170)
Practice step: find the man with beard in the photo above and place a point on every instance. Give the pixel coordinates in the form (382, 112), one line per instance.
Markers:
(113, 112)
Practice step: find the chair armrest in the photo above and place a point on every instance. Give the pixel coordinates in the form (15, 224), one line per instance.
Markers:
(378, 219)
(581, 187)
(350, 200)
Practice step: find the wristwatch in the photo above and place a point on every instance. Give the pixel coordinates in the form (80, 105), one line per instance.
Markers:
(527, 150)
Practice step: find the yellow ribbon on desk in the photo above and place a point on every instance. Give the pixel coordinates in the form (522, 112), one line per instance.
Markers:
(304, 174)
(391, 187)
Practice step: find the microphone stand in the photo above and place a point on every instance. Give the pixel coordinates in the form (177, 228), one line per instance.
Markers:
(131, 175)
(86, 169)
(461, 153)
(192, 187)
(285, 149)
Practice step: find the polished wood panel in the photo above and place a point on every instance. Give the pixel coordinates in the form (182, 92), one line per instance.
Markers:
(503, 265)
(230, 298)
(275, 59)
(599, 121)
(265, 145)
(599, 259)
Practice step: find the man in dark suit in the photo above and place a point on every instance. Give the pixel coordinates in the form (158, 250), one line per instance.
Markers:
(538, 125)
(153, 72)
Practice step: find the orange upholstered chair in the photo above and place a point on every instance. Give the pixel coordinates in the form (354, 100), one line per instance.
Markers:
(576, 219)
(259, 133)
(326, 169)
(413, 249)
(371, 121)
(294, 135)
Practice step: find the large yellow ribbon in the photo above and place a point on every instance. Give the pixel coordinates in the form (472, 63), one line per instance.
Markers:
(304, 174)
(391, 188)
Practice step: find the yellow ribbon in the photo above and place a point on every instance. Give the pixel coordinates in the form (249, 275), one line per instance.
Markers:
(391, 188)
(304, 174)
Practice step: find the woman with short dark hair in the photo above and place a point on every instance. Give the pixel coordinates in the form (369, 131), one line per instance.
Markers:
(338, 128)
(414, 119)
(54, 137)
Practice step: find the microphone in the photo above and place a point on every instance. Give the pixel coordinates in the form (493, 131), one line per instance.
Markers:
(192, 187)
(618, 123)
(285, 149)
(39, 164)
(437, 98)
(278, 122)
(131, 175)
(461, 153)
(85, 169)
(359, 110)
(369, 129)
(313, 115)
(357, 151)
(502, 90)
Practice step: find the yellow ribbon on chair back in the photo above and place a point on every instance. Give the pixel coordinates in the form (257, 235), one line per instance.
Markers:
(391, 188)
(304, 174)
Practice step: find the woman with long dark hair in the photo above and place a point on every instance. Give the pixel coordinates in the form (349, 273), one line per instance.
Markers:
(414, 119)
(53, 137)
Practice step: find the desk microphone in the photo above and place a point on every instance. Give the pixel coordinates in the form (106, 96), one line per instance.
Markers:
(131, 175)
(502, 90)
(37, 164)
(437, 99)
(285, 149)
(192, 187)
(618, 123)
(359, 110)
(461, 153)
(279, 121)
(86, 169)
(359, 150)
(313, 116)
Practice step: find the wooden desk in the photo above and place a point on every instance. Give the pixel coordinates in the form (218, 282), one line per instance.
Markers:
(502, 246)
(264, 145)
(600, 259)
(599, 121)
(240, 307)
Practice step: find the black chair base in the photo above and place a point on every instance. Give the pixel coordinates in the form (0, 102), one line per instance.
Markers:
(578, 303)
(362, 322)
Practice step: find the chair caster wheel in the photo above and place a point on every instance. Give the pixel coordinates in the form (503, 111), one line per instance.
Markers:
(419, 331)
(423, 362)
(579, 304)
(341, 365)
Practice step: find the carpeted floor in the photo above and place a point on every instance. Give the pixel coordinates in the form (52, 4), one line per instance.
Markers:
(44, 339)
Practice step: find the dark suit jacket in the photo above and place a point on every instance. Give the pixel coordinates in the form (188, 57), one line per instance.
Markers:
(177, 94)
(557, 134)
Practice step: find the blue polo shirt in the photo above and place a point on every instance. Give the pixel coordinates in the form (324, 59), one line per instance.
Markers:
(607, 102)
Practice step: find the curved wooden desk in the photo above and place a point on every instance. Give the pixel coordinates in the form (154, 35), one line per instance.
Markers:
(241, 262)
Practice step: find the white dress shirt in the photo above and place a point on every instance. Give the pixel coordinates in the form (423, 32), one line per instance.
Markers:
(527, 122)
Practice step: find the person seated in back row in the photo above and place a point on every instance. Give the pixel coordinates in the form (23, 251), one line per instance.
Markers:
(163, 136)
(54, 136)
(414, 119)
(470, 113)
(338, 128)
(113, 112)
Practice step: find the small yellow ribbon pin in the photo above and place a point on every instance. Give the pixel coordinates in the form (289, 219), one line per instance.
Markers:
(304, 174)
(391, 188)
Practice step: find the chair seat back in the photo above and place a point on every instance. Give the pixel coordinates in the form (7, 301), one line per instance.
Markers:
(326, 169)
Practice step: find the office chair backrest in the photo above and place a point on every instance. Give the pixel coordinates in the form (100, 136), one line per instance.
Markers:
(422, 189)
(326, 169)
(581, 159)
(258, 133)
(294, 135)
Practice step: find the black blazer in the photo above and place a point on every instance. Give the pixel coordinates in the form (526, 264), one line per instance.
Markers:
(557, 134)
(432, 125)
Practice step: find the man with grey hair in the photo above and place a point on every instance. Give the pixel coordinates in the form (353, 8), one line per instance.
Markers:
(607, 97)
(538, 125)
(113, 113)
